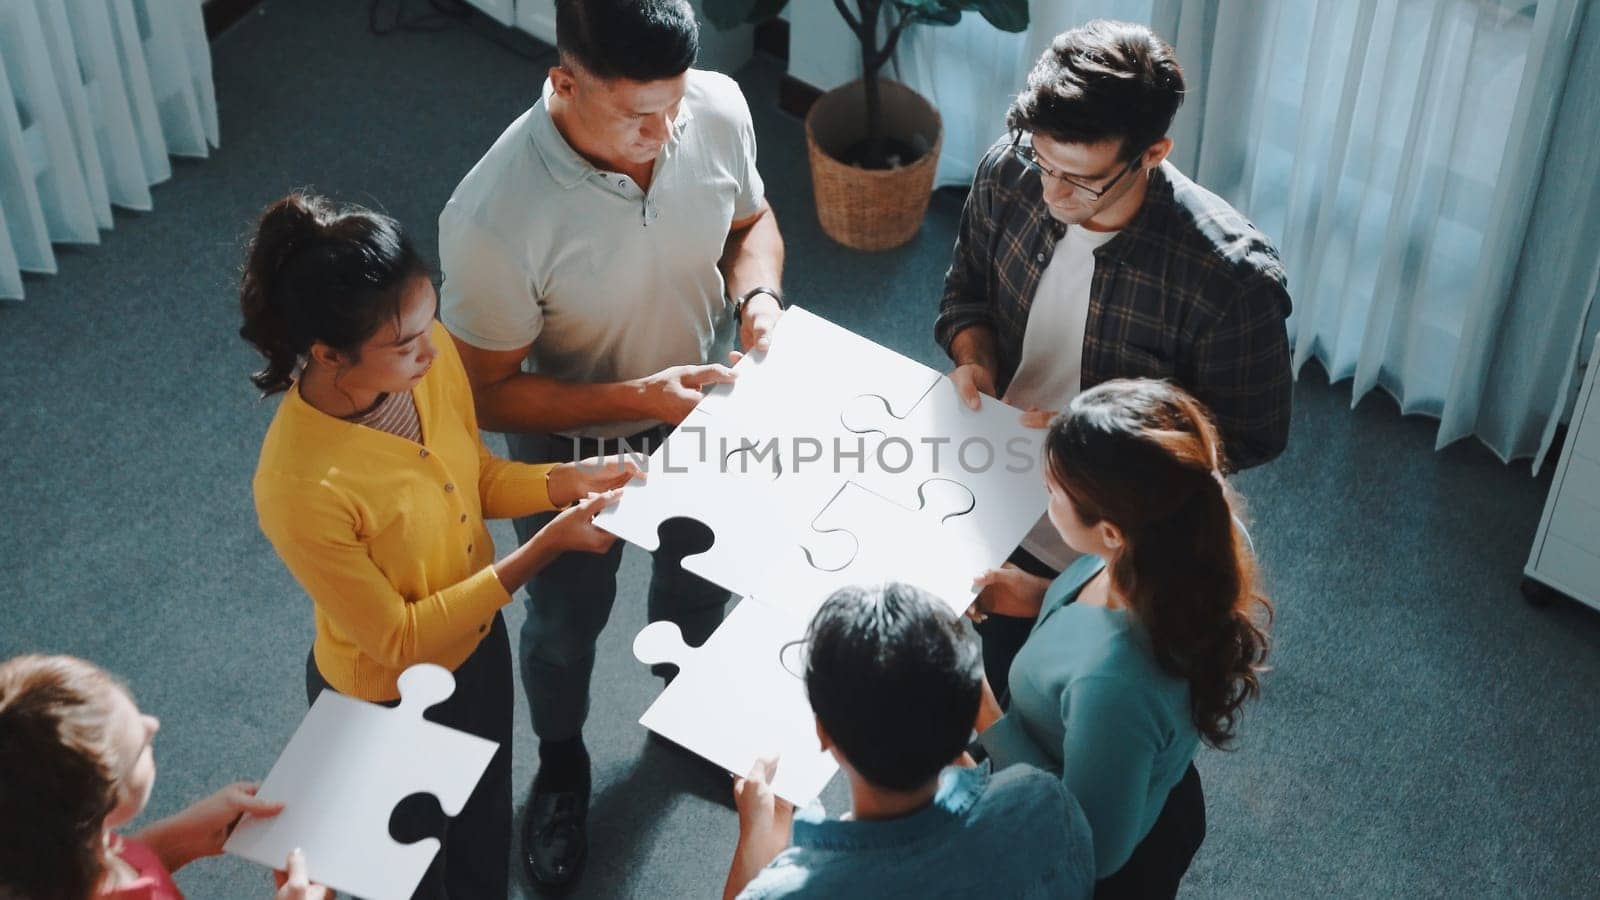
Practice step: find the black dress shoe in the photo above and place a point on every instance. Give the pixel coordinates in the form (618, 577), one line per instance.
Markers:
(555, 839)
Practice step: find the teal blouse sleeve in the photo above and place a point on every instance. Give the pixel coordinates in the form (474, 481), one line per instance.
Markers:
(1108, 751)
(1008, 743)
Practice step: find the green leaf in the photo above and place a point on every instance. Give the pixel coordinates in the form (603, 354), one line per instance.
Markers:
(1006, 15)
(726, 14)
(930, 12)
(769, 9)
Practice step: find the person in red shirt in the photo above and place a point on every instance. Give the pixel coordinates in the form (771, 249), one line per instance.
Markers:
(75, 766)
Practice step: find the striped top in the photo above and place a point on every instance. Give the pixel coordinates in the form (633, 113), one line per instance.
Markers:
(394, 413)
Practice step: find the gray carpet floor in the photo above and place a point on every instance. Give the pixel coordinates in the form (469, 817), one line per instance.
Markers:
(1423, 733)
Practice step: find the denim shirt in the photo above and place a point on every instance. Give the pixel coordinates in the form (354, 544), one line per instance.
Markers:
(1017, 833)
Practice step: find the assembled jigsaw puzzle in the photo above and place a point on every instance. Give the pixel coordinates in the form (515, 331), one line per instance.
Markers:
(760, 460)
(342, 774)
(830, 461)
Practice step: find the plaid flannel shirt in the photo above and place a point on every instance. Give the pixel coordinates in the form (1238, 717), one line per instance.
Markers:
(1188, 291)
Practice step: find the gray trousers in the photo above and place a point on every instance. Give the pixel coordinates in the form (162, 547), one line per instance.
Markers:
(570, 601)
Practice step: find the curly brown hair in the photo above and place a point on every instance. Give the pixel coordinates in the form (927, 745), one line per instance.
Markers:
(1143, 455)
(59, 773)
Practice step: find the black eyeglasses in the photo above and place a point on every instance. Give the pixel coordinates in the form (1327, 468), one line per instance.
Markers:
(1030, 160)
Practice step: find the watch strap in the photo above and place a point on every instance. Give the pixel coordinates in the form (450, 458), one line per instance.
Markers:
(739, 304)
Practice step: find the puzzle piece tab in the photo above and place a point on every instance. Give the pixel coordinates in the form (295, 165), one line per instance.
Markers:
(342, 774)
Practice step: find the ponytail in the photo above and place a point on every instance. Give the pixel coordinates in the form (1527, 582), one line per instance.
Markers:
(318, 273)
(1143, 455)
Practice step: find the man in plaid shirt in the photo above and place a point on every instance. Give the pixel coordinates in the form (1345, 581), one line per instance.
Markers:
(1084, 256)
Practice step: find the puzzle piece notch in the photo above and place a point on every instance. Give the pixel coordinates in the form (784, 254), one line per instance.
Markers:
(735, 700)
(937, 498)
(764, 544)
(701, 443)
(998, 459)
(864, 413)
(347, 766)
(911, 544)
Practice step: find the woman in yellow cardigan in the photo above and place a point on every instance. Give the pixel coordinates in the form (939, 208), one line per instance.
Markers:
(374, 484)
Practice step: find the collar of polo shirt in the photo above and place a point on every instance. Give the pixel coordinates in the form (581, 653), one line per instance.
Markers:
(566, 166)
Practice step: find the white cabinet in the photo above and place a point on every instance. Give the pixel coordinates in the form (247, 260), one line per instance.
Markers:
(1566, 551)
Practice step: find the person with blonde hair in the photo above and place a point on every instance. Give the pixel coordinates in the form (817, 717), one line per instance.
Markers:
(76, 765)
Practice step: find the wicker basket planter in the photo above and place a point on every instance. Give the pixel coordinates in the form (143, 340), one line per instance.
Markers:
(867, 209)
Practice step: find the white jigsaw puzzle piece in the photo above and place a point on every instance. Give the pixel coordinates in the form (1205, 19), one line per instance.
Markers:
(819, 406)
(813, 366)
(891, 542)
(734, 700)
(987, 450)
(735, 493)
(342, 774)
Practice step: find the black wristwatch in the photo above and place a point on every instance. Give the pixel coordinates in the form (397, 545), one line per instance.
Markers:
(738, 305)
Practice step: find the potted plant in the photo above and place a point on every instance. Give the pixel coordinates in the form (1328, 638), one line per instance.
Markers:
(874, 143)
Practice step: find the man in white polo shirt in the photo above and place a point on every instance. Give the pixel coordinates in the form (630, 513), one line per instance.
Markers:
(588, 260)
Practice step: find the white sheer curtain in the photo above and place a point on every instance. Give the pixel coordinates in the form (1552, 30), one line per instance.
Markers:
(94, 95)
(1370, 139)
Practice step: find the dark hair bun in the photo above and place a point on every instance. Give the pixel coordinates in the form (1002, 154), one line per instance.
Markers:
(319, 273)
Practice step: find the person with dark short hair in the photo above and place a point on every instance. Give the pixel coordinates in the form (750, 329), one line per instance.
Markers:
(1084, 255)
(598, 262)
(896, 680)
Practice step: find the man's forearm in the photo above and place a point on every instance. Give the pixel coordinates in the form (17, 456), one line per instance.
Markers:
(975, 345)
(539, 403)
(753, 256)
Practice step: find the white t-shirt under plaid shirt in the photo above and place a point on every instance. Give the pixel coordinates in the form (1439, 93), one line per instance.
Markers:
(606, 282)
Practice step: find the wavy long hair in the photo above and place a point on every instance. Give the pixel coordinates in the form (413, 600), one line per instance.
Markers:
(1144, 456)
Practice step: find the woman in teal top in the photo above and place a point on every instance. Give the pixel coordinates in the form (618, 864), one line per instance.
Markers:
(1147, 645)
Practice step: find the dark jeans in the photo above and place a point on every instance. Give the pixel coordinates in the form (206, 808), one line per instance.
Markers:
(1003, 636)
(475, 845)
(570, 601)
(1158, 863)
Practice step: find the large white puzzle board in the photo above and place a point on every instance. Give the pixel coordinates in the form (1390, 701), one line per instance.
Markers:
(938, 493)
(829, 461)
(342, 774)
